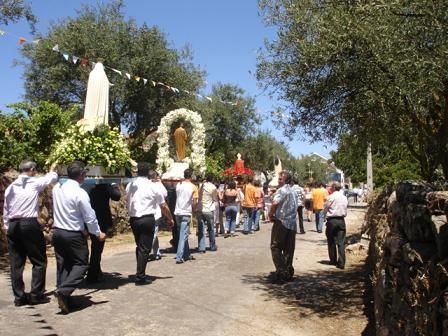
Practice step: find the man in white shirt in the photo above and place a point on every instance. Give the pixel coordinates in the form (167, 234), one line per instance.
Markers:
(24, 233)
(73, 216)
(208, 197)
(186, 201)
(335, 210)
(144, 199)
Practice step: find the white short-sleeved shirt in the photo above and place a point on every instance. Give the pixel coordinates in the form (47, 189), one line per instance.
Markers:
(144, 197)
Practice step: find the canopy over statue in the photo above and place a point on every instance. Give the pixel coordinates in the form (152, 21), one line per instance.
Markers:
(180, 139)
(96, 111)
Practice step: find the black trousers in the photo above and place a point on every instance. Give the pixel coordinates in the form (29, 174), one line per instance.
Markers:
(283, 244)
(335, 233)
(72, 256)
(25, 239)
(300, 213)
(143, 230)
(96, 250)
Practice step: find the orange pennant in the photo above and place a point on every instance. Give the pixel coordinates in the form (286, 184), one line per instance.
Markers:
(22, 40)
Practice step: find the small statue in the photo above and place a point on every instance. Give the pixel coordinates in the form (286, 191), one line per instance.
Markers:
(180, 139)
(239, 165)
(96, 110)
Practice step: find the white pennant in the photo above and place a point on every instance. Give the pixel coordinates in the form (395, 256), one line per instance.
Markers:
(117, 71)
(75, 59)
(65, 56)
(128, 76)
(145, 81)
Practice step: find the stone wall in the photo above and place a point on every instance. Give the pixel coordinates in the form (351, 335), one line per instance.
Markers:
(408, 256)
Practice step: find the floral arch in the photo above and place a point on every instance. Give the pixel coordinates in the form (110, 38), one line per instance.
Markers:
(197, 140)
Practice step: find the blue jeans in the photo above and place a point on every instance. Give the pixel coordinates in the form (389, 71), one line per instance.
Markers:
(248, 219)
(206, 219)
(319, 219)
(257, 219)
(183, 249)
(231, 212)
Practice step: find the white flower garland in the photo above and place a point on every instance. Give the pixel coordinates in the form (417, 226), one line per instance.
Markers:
(197, 140)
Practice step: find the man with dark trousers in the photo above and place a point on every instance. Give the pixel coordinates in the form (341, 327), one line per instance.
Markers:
(100, 196)
(24, 233)
(144, 197)
(73, 215)
(335, 210)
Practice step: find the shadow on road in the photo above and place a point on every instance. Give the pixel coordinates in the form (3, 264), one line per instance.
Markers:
(332, 293)
(112, 280)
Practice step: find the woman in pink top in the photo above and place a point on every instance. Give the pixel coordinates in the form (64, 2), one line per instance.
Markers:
(259, 195)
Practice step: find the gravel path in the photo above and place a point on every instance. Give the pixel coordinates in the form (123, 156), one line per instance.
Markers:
(219, 293)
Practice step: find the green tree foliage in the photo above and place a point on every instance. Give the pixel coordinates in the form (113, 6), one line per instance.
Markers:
(30, 131)
(227, 126)
(14, 10)
(309, 168)
(260, 150)
(376, 69)
(392, 163)
(103, 33)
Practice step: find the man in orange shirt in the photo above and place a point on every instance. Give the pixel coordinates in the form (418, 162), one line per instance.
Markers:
(319, 196)
(249, 206)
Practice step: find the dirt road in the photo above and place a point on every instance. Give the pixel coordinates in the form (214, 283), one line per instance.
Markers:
(219, 293)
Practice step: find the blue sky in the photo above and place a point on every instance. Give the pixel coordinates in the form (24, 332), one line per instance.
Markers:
(224, 36)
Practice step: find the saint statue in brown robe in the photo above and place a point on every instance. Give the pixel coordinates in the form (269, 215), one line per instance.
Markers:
(180, 140)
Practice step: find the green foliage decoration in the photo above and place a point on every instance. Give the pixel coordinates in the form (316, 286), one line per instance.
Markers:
(30, 131)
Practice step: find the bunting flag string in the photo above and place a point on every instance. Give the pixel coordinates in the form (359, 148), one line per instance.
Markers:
(85, 62)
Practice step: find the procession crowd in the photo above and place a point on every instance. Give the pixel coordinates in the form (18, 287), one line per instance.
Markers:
(80, 212)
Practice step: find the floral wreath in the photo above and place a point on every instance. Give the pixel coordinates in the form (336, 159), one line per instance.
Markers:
(197, 157)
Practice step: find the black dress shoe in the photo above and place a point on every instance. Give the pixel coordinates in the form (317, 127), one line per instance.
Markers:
(21, 302)
(39, 300)
(62, 302)
(142, 282)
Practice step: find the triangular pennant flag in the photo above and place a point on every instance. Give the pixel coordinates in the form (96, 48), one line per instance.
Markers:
(160, 83)
(197, 94)
(187, 92)
(209, 99)
(128, 76)
(153, 83)
(56, 47)
(145, 81)
(75, 59)
(65, 56)
(137, 78)
(84, 61)
(117, 71)
(175, 90)
(22, 40)
(2, 32)
(36, 41)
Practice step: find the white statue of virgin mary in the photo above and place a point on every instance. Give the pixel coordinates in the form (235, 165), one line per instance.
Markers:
(96, 110)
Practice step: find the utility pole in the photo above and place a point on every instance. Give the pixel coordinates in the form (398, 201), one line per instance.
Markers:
(369, 168)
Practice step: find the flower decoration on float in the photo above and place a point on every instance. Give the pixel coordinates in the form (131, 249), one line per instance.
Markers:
(102, 146)
(197, 140)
